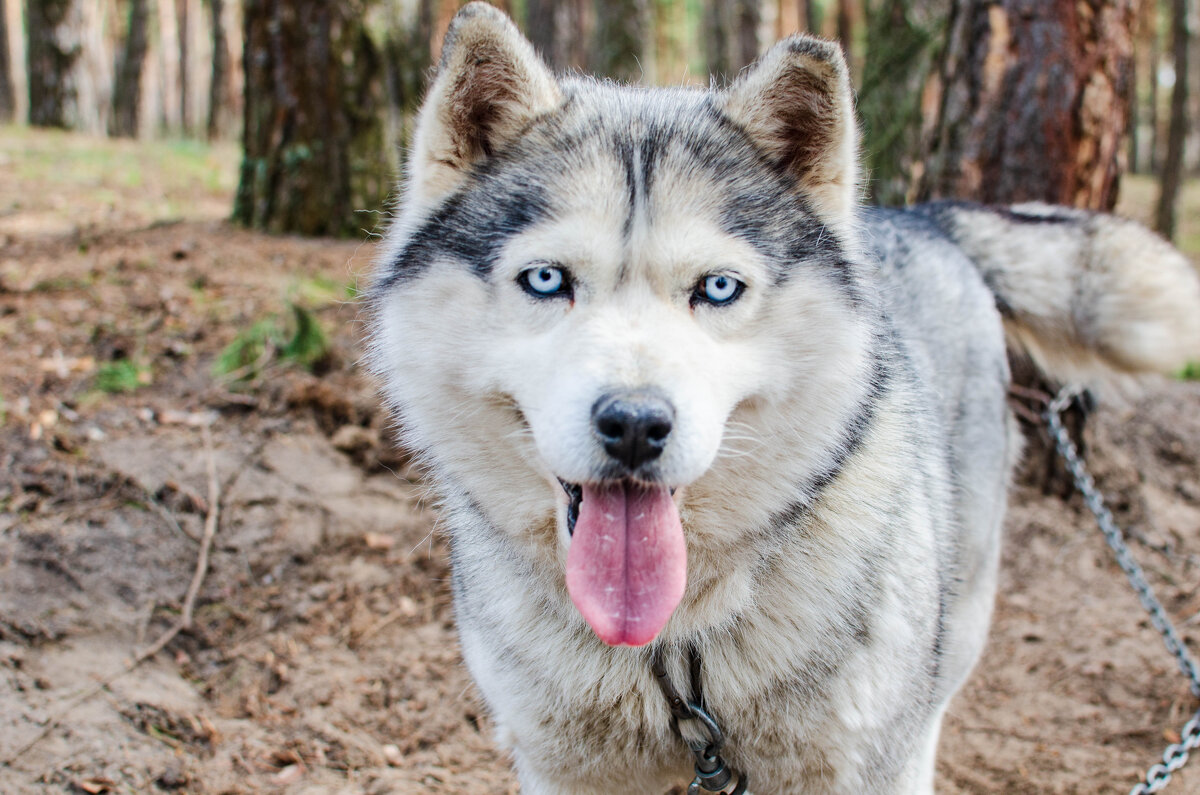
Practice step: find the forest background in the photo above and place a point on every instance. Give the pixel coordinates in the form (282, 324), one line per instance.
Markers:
(218, 574)
(995, 101)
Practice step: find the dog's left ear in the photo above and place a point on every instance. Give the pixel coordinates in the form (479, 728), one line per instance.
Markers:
(797, 105)
(489, 85)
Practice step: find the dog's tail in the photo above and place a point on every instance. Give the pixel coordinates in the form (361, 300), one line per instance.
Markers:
(1084, 295)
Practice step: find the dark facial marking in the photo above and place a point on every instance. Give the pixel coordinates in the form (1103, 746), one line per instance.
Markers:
(471, 226)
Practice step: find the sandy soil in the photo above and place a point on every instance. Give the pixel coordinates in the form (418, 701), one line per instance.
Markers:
(322, 657)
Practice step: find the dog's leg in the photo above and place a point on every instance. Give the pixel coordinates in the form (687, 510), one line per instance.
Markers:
(923, 764)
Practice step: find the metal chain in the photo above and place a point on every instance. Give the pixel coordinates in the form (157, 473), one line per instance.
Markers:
(713, 774)
(1176, 754)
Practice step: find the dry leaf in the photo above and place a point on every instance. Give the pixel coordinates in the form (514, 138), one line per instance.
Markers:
(379, 541)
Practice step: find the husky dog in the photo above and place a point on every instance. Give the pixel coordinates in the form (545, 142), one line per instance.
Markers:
(681, 398)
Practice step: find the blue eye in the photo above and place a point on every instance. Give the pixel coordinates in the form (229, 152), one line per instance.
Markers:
(545, 281)
(718, 289)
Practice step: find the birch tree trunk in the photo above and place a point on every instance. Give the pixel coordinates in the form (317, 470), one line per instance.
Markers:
(1032, 102)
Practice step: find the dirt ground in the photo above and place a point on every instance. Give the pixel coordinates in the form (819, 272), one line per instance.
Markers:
(322, 655)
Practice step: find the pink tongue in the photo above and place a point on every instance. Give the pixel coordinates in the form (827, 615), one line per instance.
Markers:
(627, 565)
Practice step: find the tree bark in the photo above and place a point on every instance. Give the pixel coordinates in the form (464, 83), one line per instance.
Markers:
(622, 38)
(8, 97)
(903, 42)
(730, 35)
(185, 68)
(218, 93)
(559, 30)
(127, 85)
(1172, 170)
(314, 150)
(53, 48)
(1032, 100)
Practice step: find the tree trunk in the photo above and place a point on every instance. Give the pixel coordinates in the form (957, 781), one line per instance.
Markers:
(127, 88)
(559, 29)
(730, 35)
(314, 150)
(621, 44)
(903, 40)
(812, 16)
(1032, 100)
(1172, 171)
(8, 97)
(185, 72)
(217, 89)
(52, 51)
(1155, 58)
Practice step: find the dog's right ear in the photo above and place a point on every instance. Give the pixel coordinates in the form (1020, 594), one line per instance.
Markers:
(489, 85)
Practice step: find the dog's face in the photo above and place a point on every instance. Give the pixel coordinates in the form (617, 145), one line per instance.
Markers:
(598, 300)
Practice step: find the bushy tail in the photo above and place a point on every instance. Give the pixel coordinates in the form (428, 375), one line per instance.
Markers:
(1085, 295)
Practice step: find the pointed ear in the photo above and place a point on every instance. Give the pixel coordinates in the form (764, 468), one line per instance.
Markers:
(489, 85)
(797, 105)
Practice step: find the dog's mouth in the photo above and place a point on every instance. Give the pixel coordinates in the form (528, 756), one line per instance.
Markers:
(627, 563)
(574, 498)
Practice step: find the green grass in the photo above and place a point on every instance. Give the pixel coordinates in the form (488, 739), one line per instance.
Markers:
(56, 157)
(296, 338)
(149, 180)
(124, 375)
(1191, 372)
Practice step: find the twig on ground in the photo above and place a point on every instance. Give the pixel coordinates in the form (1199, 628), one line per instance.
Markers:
(184, 621)
(210, 530)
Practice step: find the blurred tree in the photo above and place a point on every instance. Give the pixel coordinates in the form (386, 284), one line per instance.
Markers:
(1172, 167)
(127, 83)
(218, 86)
(8, 99)
(795, 15)
(54, 45)
(1032, 102)
(313, 134)
(731, 30)
(559, 30)
(622, 45)
(903, 40)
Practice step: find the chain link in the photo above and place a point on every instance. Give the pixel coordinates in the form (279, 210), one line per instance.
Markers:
(1176, 754)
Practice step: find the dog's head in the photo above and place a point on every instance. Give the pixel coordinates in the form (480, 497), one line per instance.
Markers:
(602, 305)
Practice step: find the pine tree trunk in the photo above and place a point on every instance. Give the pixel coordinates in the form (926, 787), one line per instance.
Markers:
(52, 50)
(620, 48)
(127, 86)
(185, 110)
(903, 39)
(1172, 170)
(314, 149)
(217, 93)
(730, 36)
(1033, 102)
(8, 97)
(1155, 57)
(559, 31)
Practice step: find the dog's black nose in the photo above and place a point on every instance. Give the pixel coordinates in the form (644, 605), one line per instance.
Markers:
(633, 425)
